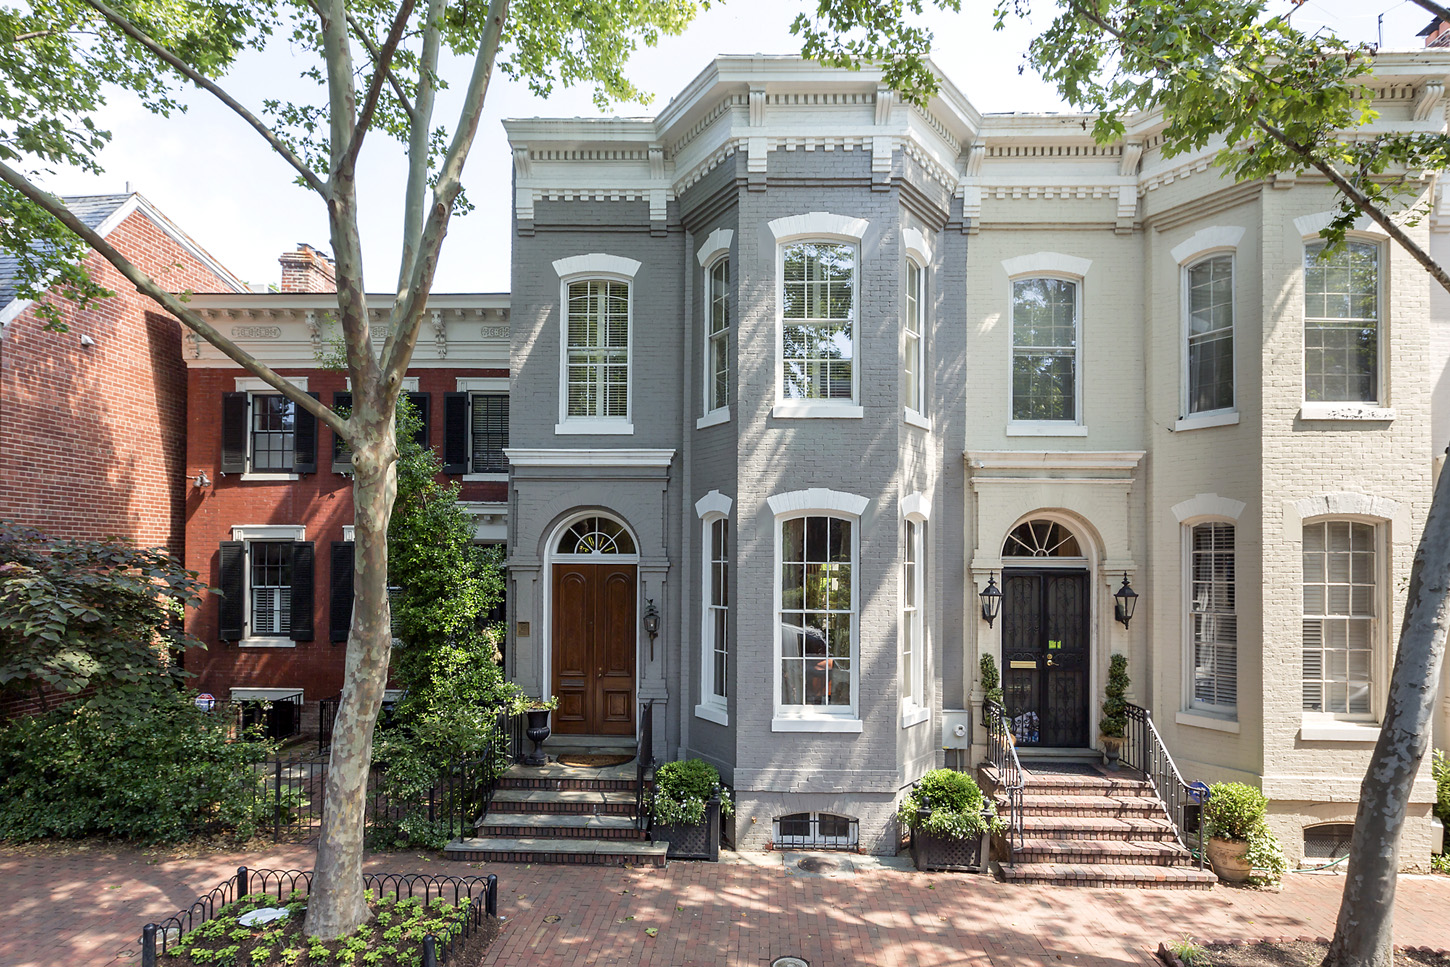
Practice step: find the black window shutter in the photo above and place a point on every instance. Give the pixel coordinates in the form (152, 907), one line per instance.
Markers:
(304, 439)
(234, 433)
(339, 607)
(455, 432)
(420, 403)
(302, 560)
(233, 564)
(341, 453)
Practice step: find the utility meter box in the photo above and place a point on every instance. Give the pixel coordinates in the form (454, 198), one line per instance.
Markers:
(956, 728)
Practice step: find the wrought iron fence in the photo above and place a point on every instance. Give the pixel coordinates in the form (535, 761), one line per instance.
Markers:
(158, 937)
(1143, 749)
(278, 719)
(1002, 753)
(644, 760)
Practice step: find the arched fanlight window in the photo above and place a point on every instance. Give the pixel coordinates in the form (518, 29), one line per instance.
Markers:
(596, 535)
(1041, 538)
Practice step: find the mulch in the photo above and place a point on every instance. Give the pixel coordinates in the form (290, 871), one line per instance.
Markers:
(1301, 952)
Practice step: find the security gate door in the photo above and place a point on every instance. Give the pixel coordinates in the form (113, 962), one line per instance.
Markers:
(1045, 656)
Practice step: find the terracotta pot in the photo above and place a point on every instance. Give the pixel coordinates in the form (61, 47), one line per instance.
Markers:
(1230, 859)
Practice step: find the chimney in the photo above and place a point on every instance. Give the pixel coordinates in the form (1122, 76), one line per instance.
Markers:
(307, 270)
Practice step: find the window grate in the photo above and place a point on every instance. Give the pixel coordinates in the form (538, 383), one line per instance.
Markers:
(1329, 841)
(817, 831)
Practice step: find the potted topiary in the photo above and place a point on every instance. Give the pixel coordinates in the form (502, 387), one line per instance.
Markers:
(1113, 723)
(950, 822)
(685, 805)
(1233, 816)
(537, 710)
(991, 684)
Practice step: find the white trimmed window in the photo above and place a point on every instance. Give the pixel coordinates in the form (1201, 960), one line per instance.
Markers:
(1341, 634)
(265, 584)
(717, 336)
(913, 608)
(1209, 308)
(270, 584)
(717, 610)
(598, 350)
(1045, 316)
(818, 321)
(1341, 323)
(1213, 617)
(913, 350)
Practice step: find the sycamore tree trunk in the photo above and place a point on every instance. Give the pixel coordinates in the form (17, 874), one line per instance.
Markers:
(1363, 935)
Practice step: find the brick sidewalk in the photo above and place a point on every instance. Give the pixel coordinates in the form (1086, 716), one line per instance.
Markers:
(725, 915)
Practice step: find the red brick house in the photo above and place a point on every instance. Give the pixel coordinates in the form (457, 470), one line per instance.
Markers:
(272, 525)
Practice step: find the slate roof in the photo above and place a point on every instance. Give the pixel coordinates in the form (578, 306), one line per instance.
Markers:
(90, 209)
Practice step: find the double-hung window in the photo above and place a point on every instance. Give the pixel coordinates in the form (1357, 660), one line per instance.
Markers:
(912, 630)
(913, 350)
(1342, 323)
(595, 343)
(1210, 326)
(715, 620)
(476, 428)
(1213, 617)
(717, 337)
(1045, 313)
(1341, 578)
(818, 329)
(266, 585)
(265, 435)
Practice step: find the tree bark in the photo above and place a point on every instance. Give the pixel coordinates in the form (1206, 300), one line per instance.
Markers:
(1363, 935)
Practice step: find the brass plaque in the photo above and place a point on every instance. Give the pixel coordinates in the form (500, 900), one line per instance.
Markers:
(522, 630)
(1022, 664)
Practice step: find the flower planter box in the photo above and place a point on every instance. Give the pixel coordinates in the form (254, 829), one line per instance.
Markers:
(931, 852)
(700, 842)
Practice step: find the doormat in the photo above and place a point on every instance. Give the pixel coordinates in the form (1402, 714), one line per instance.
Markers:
(594, 761)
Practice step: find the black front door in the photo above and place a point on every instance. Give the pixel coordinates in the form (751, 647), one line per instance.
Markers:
(1045, 656)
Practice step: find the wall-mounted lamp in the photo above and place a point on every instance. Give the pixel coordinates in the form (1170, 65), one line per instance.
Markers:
(1127, 600)
(201, 480)
(651, 624)
(991, 601)
(86, 341)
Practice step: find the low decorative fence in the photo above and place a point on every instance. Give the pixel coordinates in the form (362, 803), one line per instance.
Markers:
(157, 938)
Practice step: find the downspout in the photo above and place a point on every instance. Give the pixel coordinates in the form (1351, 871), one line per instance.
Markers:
(687, 523)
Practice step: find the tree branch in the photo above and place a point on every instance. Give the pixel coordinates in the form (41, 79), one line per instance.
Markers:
(372, 50)
(1434, 8)
(200, 80)
(382, 60)
(415, 190)
(171, 303)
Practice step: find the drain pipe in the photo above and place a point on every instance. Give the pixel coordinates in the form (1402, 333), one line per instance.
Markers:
(685, 524)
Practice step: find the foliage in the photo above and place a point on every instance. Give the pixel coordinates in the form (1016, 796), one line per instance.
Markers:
(1440, 769)
(991, 681)
(1114, 721)
(1265, 856)
(393, 936)
(98, 614)
(955, 802)
(171, 772)
(681, 791)
(1190, 951)
(1234, 811)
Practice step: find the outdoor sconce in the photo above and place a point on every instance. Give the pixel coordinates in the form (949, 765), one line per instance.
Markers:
(991, 601)
(651, 624)
(201, 480)
(1127, 600)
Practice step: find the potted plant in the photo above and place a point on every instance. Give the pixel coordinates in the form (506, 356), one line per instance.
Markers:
(991, 684)
(1113, 724)
(1233, 816)
(950, 821)
(685, 805)
(537, 710)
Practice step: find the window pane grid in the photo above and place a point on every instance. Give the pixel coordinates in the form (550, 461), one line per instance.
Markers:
(818, 306)
(271, 587)
(489, 426)
(1212, 616)
(273, 423)
(718, 607)
(817, 615)
(1210, 335)
(911, 363)
(1044, 349)
(911, 608)
(1338, 635)
(718, 362)
(598, 350)
(1341, 323)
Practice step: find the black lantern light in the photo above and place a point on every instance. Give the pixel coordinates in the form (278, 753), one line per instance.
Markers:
(991, 601)
(1127, 600)
(651, 619)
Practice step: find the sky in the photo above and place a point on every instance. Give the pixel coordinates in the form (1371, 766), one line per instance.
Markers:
(214, 177)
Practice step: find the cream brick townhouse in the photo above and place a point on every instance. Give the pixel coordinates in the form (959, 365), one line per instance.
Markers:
(799, 369)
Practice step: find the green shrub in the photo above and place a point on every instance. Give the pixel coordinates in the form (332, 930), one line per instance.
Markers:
(955, 802)
(1234, 811)
(991, 681)
(1440, 769)
(1266, 856)
(169, 772)
(1114, 720)
(681, 790)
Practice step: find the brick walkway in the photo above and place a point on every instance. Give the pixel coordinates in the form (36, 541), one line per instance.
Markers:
(726, 915)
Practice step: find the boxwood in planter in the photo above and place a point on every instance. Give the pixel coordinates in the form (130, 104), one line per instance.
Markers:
(951, 822)
(685, 807)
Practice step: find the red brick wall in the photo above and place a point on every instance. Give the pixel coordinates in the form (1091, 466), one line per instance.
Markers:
(92, 439)
(322, 502)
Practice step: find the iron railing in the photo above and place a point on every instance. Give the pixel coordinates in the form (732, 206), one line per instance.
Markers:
(1002, 754)
(1143, 749)
(278, 719)
(157, 938)
(326, 716)
(644, 760)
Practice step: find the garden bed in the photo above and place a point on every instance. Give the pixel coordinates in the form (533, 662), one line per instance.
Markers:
(1290, 952)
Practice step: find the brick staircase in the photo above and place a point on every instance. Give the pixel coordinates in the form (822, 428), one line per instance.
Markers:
(1084, 826)
(562, 814)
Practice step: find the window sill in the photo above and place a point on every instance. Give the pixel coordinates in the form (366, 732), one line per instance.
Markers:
(913, 418)
(594, 428)
(712, 713)
(1328, 730)
(250, 477)
(1205, 420)
(816, 410)
(483, 477)
(1204, 720)
(912, 715)
(268, 642)
(792, 723)
(713, 418)
(1046, 429)
(1346, 411)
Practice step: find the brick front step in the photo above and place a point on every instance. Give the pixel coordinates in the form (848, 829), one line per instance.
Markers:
(574, 784)
(1110, 875)
(562, 801)
(1101, 852)
(559, 826)
(1072, 786)
(586, 852)
(1089, 806)
(1137, 828)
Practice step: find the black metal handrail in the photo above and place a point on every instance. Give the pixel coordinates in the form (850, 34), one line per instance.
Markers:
(1002, 754)
(644, 759)
(1143, 749)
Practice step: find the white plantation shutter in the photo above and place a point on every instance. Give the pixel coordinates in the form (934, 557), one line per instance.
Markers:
(598, 357)
(1213, 617)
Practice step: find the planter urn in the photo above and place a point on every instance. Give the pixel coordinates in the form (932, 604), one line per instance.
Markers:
(537, 731)
(1112, 750)
(932, 852)
(1229, 859)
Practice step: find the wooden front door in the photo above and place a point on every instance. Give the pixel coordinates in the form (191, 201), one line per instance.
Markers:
(594, 649)
(1045, 656)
